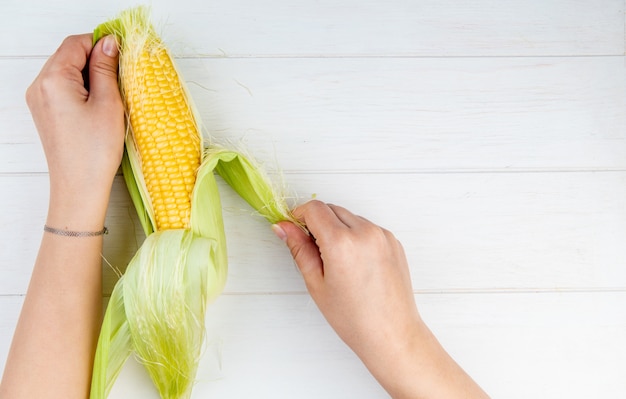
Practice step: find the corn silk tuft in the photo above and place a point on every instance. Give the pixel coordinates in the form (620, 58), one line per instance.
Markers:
(157, 308)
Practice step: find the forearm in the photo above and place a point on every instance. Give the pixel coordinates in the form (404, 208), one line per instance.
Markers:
(55, 338)
(423, 369)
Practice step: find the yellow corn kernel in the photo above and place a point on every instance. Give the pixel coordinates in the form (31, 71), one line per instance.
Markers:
(166, 133)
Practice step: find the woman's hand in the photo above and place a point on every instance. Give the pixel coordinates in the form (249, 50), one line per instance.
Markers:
(82, 130)
(357, 274)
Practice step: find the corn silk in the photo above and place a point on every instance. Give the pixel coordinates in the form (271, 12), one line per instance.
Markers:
(157, 308)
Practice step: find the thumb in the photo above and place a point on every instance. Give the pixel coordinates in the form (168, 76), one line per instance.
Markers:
(103, 63)
(304, 251)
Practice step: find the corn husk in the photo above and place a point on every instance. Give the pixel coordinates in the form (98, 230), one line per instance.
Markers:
(157, 308)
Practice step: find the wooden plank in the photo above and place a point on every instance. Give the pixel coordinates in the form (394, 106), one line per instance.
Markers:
(10, 307)
(477, 232)
(28, 210)
(527, 335)
(463, 231)
(20, 149)
(425, 114)
(387, 114)
(243, 28)
(515, 345)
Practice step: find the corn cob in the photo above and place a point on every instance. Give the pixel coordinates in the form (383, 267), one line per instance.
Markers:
(165, 132)
(157, 307)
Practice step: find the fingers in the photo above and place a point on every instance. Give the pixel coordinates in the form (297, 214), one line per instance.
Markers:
(346, 217)
(61, 78)
(67, 64)
(73, 52)
(323, 219)
(304, 251)
(103, 63)
(327, 224)
(316, 213)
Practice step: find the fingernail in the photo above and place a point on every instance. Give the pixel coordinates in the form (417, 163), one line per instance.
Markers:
(109, 46)
(280, 233)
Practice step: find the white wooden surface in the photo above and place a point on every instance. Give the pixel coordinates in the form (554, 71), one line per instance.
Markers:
(490, 136)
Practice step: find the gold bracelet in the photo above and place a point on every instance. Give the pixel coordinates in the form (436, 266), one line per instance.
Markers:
(69, 233)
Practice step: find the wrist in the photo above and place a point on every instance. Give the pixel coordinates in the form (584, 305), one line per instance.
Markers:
(77, 210)
(405, 366)
(406, 361)
(426, 370)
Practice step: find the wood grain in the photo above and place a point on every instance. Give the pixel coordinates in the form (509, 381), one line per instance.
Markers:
(489, 136)
(387, 114)
(329, 28)
(521, 345)
(461, 231)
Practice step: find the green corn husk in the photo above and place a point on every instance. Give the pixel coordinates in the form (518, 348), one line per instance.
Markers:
(157, 308)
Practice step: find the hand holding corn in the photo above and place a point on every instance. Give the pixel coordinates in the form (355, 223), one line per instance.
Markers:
(357, 274)
(82, 132)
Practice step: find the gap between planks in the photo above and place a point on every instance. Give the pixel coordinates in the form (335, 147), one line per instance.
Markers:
(341, 56)
(439, 171)
(477, 291)
(461, 291)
